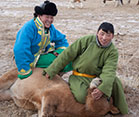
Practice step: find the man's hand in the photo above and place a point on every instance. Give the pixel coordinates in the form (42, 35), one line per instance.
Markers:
(97, 94)
(47, 76)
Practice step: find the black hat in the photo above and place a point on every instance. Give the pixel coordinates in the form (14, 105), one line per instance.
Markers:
(47, 8)
(107, 27)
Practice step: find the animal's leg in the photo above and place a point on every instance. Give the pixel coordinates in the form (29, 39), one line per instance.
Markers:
(8, 79)
(122, 2)
(81, 5)
(128, 2)
(22, 98)
(118, 2)
(5, 95)
(138, 2)
(24, 103)
(71, 4)
(104, 1)
(39, 113)
(48, 106)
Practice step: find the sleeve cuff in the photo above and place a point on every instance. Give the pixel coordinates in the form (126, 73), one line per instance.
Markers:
(46, 71)
(20, 76)
(61, 47)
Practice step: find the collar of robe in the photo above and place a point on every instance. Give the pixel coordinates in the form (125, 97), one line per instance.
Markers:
(40, 26)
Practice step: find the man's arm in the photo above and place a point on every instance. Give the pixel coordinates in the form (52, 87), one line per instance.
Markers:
(108, 74)
(22, 53)
(58, 38)
(67, 56)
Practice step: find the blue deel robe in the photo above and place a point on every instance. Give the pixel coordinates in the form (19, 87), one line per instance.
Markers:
(28, 44)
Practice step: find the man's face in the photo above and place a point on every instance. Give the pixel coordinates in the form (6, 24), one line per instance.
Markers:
(47, 20)
(104, 38)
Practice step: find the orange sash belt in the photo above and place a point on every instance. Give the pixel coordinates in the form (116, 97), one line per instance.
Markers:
(82, 74)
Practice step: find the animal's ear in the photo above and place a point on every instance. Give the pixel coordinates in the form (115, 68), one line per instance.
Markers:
(114, 110)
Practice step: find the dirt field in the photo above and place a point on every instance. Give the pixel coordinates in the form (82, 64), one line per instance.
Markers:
(76, 23)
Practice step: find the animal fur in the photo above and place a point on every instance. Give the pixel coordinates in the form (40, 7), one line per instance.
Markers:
(50, 97)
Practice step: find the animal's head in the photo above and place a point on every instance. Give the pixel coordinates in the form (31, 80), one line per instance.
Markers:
(99, 107)
(96, 107)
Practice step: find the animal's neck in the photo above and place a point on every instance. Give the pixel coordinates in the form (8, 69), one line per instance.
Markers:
(77, 109)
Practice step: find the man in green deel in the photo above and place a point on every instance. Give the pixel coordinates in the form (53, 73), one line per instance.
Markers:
(92, 56)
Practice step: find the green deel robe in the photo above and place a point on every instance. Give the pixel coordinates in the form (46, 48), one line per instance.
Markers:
(89, 58)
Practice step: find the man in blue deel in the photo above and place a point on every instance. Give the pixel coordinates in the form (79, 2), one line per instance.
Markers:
(38, 42)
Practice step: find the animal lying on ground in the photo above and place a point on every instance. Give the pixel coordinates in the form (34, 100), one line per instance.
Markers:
(51, 97)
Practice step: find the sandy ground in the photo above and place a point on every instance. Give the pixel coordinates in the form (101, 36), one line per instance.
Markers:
(76, 23)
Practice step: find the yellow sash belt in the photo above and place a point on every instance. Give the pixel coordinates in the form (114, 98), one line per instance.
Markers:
(82, 74)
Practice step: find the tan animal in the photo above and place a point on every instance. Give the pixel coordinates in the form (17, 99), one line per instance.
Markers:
(50, 97)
